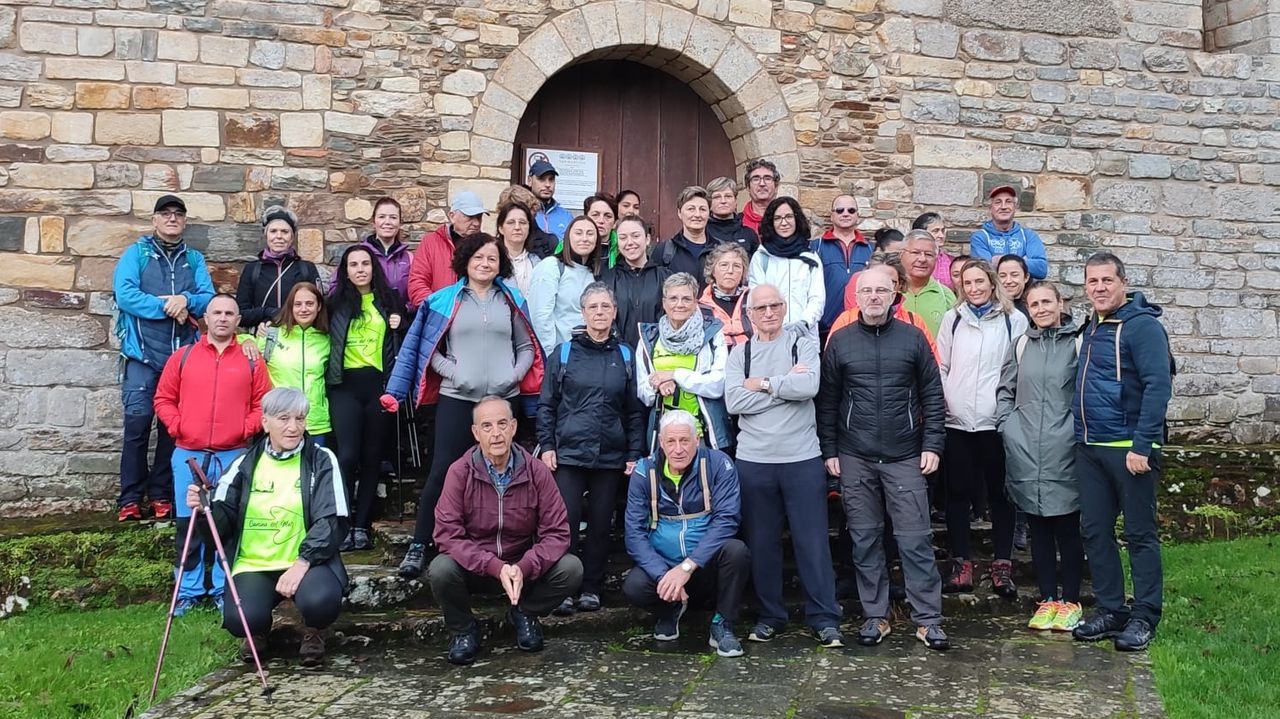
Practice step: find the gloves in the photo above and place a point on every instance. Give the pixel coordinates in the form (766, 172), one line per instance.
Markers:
(389, 403)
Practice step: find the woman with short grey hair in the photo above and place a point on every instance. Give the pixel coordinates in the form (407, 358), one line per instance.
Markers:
(266, 282)
(725, 224)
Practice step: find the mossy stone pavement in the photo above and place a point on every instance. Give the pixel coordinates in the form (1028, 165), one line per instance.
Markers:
(595, 670)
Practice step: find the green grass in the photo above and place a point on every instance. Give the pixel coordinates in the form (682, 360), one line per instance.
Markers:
(1217, 653)
(103, 568)
(85, 665)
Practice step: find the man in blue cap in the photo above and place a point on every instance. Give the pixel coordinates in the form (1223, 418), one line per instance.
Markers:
(552, 217)
(432, 266)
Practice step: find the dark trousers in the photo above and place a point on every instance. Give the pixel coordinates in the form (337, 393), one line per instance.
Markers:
(601, 488)
(794, 493)
(975, 468)
(319, 599)
(1051, 538)
(453, 439)
(723, 579)
(453, 586)
(138, 394)
(359, 426)
(1107, 490)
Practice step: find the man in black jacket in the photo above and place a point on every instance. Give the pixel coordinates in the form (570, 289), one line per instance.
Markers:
(880, 412)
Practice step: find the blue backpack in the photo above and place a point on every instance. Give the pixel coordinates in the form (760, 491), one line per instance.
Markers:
(623, 349)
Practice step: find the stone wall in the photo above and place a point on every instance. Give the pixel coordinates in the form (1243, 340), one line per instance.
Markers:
(1125, 133)
(1242, 25)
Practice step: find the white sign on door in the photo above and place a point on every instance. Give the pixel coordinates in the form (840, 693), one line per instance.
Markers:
(577, 174)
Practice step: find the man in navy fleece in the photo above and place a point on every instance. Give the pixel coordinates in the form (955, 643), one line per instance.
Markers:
(1001, 235)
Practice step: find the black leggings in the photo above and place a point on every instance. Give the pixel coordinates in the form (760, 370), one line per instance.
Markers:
(1056, 548)
(453, 439)
(974, 466)
(601, 488)
(319, 599)
(359, 425)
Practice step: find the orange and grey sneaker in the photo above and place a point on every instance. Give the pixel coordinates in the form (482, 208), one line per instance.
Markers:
(1046, 612)
(1068, 616)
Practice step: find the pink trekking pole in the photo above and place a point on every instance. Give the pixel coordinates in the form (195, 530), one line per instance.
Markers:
(173, 604)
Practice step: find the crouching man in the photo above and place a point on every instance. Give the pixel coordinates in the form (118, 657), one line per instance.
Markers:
(500, 524)
(681, 518)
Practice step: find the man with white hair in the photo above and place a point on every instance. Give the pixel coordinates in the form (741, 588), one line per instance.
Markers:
(880, 414)
(681, 517)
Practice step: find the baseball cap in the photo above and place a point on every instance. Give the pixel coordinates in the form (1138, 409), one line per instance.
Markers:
(542, 167)
(169, 201)
(468, 203)
(1003, 189)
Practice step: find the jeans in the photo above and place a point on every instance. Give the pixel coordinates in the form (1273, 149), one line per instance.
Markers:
(202, 557)
(137, 479)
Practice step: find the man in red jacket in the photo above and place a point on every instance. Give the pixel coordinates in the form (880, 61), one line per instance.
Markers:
(432, 266)
(209, 398)
(500, 524)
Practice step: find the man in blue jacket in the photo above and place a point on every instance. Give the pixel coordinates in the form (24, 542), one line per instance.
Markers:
(161, 288)
(553, 217)
(1123, 383)
(1001, 235)
(681, 517)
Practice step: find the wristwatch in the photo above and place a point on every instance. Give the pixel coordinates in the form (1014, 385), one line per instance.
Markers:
(687, 566)
(764, 385)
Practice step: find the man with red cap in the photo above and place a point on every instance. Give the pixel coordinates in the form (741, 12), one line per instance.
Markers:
(1001, 235)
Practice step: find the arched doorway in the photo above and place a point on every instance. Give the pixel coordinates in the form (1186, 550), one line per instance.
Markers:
(654, 134)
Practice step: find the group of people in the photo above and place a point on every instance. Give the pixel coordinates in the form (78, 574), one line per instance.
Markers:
(725, 375)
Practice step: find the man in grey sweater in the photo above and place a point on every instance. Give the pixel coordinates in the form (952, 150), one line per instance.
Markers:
(770, 382)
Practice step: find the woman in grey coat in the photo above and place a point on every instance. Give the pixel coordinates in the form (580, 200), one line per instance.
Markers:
(1034, 407)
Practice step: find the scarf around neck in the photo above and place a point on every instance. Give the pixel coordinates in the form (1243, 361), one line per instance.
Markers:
(278, 257)
(685, 341)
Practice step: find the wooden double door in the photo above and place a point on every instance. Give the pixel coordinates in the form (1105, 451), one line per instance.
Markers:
(654, 134)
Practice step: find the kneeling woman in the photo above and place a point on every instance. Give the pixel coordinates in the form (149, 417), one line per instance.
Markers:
(281, 511)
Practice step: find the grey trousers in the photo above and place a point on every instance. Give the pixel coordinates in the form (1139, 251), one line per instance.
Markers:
(867, 490)
(452, 587)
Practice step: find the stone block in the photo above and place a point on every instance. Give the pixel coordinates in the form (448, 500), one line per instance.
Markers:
(317, 92)
(931, 108)
(944, 187)
(403, 84)
(991, 45)
(1098, 18)
(18, 125)
(12, 234)
(180, 46)
(251, 129)
(201, 206)
(206, 75)
(927, 8)
(25, 329)
(72, 127)
(800, 95)
(1126, 196)
(751, 12)
(70, 202)
(269, 78)
(52, 230)
(51, 176)
(451, 105)
(487, 151)
(931, 67)
(938, 39)
(127, 128)
(302, 129)
(190, 128)
(931, 151)
(47, 38)
(159, 98)
(1165, 59)
(43, 271)
(765, 41)
(1042, 50)
(227, 98)
(499, 35)
(1247, 204)
(1094, 54)
(1150, 166)
(60, 367)
(388, 104)
(116, 174)
(95, 41)
(218, 50)
(55, 97)
(102, 96)
(313, 35)
(19, 68)
(96, 237)
(275, 100)
(268, 54)
(151, 73)
(1060, 193)
(1017, 158)
(218, 178)
(60, 68)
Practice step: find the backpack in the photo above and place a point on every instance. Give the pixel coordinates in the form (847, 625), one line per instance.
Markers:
(746, 355)
(623, 349)
(186, 352)
(1008, 325)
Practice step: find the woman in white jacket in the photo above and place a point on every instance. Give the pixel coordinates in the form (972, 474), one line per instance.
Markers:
(785, 261)
(975, 337)
(555, 289)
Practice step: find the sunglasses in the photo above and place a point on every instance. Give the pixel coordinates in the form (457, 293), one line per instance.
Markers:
(845, 210)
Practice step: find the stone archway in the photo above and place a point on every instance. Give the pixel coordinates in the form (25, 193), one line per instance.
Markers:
(718, 66)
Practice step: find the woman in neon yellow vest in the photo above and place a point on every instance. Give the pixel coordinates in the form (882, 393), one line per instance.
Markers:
(296, 350)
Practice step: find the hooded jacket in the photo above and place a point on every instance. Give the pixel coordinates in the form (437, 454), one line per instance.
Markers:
(395, 262)
(432, 265)
(300, 358)
(800, 283)
(731, 229)
(988, 242)
(879, 394)
(265, 284)
(839, 264)
(971, 354)
(639, 296)
(1034, 406)
(555, 300)
(211, 401)
(324, 505)
(590, 412)
(144, 273)
(553, 218)
(665, 524)
(736, 327)
(480, 529)
(340, 318)
(705, 380)
(1124, 378)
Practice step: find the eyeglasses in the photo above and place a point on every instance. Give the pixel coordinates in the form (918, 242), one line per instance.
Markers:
(877, 291)
(784, 218)
(171, 214)
(769, 308)
(845, 210)
(760, 179)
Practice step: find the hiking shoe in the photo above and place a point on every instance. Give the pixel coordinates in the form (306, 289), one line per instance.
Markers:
(311, 653)
(464, 647)
(348, 543)
(1068, 616)
(933, 637)
(1135, 636)
(259, 643)
(961, 577)
(1102, 625)
(130, 512)
(722, 639)
(566, 608)
(1002, 579)
(873, 631)
(411, 565)
(589, 602)
(762, 632)
(829, 637)
(360, 539)
(667, 629)
(528, 630)
(219, 603)
(1046, 613)
(185, 605)
(161, 509)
